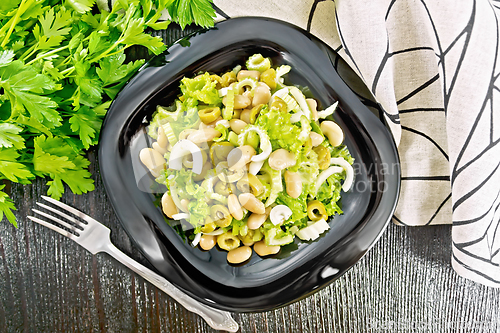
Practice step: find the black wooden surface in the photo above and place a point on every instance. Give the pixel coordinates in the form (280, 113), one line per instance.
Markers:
(50, 284)
(404, 284)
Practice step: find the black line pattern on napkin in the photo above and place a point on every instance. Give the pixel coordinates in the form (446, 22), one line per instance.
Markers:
(443, 178)
(440, 109)
(467, 32)
(469, 268)
(438, 209)
(220, 11)
(311, 14)
(431, 140)
(418, 89)
(475, 219)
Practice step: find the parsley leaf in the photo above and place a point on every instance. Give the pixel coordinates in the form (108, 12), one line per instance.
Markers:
(86, 123)
(61, 64)
(186, 12)
(11, 169)
(24, 88)
(6, 207)
(53, 28)
(53, 157)
(9, 136)
(81, 6)
(6, 57)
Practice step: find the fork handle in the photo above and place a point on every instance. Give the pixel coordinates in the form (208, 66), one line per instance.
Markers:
(218, 319)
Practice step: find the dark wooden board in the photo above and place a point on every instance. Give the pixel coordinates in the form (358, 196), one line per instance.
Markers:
(50, 284)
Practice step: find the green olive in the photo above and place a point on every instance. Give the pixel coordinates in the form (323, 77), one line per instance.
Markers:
(204, 171)
(254, 113)
(316, 210)
(269, 78)
(323, 157)
(209, 225)
(217, 79)
(209, 115)
(279, 104)
(250, 184)
(221, 216)
(219, 151)
(228, 78)
(227, 241)
(243, 186)
(223, 188)
(251, 237)
(187, 160)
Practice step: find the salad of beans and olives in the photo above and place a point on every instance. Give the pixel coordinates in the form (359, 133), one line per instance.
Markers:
(249, 162)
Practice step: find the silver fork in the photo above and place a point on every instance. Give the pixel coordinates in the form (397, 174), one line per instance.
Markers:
(94, 237)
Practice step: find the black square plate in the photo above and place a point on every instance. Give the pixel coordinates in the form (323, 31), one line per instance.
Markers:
(300, 268)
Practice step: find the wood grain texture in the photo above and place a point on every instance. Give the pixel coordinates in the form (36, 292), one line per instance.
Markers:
(50, 284)
(404, 284)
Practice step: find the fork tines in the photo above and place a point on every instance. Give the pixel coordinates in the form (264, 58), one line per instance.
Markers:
(69, 227)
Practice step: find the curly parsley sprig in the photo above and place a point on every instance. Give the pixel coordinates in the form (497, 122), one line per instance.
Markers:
(61, 64)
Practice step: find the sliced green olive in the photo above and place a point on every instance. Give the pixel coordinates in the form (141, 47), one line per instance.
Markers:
(269, 78)
(279, 104)
(209, 115)
(221, 216)
(254, 113)
(228, 78)
(207, 166)
(316, 210)
(250, 184)
(217, 79)
(219, 151)
(227, 241)
(323, 157)
(223, 188)
(251, 237)
(209, 225)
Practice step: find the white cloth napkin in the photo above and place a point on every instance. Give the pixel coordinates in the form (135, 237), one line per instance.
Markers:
(434, 66)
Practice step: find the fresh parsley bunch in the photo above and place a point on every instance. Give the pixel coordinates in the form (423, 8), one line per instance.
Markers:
(61, 64)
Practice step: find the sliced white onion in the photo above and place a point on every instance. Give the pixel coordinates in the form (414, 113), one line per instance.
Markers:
(280, 71)
(349, 172)
(279, 93)
(280, 214)
(301, 100)
(296, 117)
(328, 111)
(325, 174)
(196, 239)
(216, 232)
(223, 122)
(254, 167)
(181, 149)
(312, 231)
(265, 143)
(180, 216)
(305, 129)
